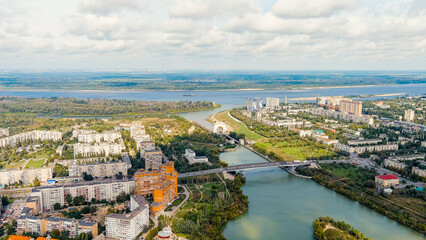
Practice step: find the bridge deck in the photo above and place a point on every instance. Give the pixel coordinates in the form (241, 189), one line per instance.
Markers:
(244, 167)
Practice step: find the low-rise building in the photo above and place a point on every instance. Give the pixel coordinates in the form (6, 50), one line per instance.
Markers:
(128, 226)
(362, 149)
(192, 158)
(342, 115)
(364, 142)
(386, 181)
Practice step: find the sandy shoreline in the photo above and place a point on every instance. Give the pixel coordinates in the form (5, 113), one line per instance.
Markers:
(290, 89)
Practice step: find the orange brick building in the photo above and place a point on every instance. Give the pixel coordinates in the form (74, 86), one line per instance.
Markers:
(162, 184)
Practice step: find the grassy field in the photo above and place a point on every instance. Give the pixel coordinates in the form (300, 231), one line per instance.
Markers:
(35, 163)
(238, 127)
(14, 165)
(289, 152)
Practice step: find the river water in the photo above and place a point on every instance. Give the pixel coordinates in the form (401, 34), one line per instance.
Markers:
(281, 206)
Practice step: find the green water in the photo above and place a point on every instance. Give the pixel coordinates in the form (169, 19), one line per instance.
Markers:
(284, 207)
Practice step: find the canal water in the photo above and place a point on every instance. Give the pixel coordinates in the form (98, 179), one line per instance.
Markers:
(281, 206)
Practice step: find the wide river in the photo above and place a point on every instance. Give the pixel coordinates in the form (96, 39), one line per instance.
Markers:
(281, 206)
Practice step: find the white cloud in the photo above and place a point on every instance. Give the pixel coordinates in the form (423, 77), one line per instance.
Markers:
(310, 8)
(108, 6)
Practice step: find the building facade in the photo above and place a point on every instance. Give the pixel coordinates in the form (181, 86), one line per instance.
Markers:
(349, 106)
(33, 135)
(272, 103)
(97, 149)
(104, 190)
(128, 226)
(409, 115)
(160, 183)
(27, 176)
(110, 136)
(153, 159)
(98, 169)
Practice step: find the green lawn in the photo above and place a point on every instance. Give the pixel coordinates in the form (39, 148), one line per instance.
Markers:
(35, 163)
(292, 151)
(347, 172)
(238, 127)
(14, 165)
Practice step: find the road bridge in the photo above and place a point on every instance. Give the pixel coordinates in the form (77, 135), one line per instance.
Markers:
(244, 167)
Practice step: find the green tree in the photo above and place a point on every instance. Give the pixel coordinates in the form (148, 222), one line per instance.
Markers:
(57, 206)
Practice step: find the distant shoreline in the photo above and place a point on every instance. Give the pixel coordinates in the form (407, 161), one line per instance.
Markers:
(200, 90)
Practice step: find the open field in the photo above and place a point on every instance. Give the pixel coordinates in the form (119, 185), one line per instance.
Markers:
(14, 165)
(35, 163)
(238, 127)
(288, 151)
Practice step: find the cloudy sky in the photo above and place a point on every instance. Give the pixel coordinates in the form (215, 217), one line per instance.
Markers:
(213, 34)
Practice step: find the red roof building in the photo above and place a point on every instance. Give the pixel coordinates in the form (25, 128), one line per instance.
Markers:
(387, 177)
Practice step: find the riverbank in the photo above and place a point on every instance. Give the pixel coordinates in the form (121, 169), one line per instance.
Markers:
(358, 185)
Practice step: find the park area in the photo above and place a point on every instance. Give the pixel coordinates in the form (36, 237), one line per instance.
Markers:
(237, 126)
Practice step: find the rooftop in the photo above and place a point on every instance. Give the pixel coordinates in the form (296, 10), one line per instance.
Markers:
(388, 177)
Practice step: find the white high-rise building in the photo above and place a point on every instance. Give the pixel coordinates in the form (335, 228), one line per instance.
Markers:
(254, 104)
(409, 115)
(128, 226)
(272, 103)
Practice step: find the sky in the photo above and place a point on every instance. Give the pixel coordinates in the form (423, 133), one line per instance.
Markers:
(213, 34)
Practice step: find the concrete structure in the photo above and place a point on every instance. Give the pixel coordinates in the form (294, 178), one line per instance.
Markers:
(101, 190)
(272, 103)
(423, 144)
(128, 226)
(44, 226)
(341, 115)
(146, 146)
(192, 158)
(110, 136)
(386, 181)
(349, 106)
(162, 184)
(409, 115)
(97, 149)
(33, 135)
(408, 157)
(153, 159)
(220, 127)
(27, 176)
(98, 169)
(362, 149)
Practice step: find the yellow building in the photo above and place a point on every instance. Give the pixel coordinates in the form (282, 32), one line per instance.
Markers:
(386, 181)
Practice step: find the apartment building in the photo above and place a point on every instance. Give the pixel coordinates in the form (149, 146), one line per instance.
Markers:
(97, 149)
(342, 115)
(254, 104)
(418, 171)
(153, 159)
(388, 163)
(272, 103)
(146, 146)
(98, 169)
(349, 106)
(110, 136)
(27, 176)
(128, 226)
(362, 149)
(364, 142)
(33, 135)
(409, 115)
(160, 183)
(101, 190)
(44, 226)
